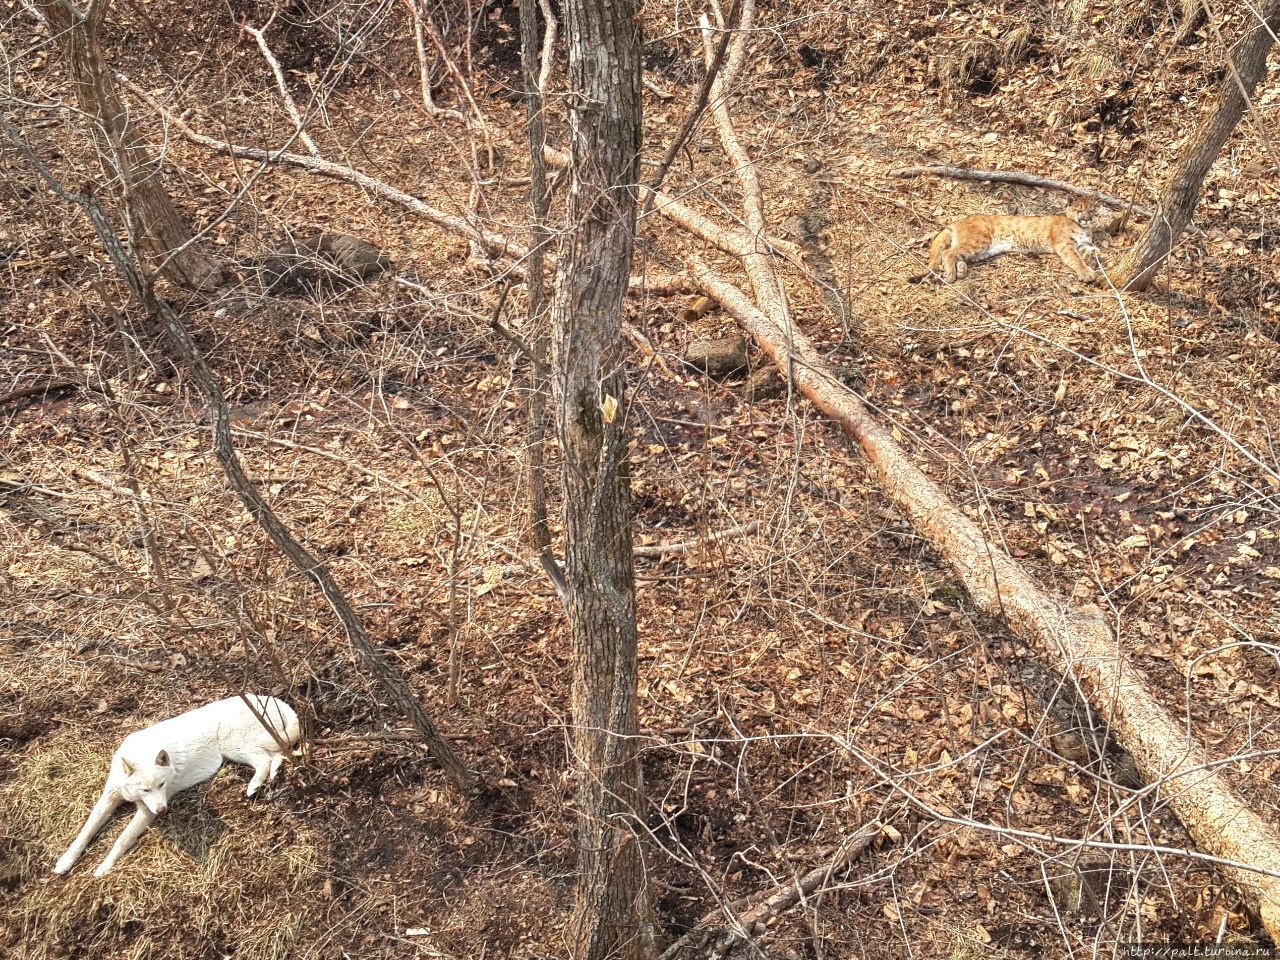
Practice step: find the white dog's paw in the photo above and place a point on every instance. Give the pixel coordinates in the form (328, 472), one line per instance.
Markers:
(103, 869)
(62, 866)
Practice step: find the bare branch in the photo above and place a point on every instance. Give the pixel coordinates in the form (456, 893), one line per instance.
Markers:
(686, 546)
(1023, 179)
(259, 35)
(224, 449)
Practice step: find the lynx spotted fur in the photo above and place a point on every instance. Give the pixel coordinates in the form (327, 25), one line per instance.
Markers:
(981, 237)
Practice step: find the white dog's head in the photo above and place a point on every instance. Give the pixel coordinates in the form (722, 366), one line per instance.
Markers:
(147, 783)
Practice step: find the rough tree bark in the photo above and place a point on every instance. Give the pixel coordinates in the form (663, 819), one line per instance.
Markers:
(1191, 14)
(612, 915)
(155, 223)
(1182, 190)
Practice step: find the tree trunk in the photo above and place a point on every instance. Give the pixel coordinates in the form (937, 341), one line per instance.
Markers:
(1247, 64)
(612, 913)
(131, 174)
(1192, 14)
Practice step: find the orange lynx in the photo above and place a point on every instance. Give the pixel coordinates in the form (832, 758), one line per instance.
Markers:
(984, 236)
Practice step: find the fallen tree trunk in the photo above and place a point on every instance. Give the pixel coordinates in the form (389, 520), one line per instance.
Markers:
(1077, 642)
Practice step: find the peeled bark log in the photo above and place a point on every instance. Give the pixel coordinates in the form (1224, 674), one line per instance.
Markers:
(1077, 642)
(1247, 66)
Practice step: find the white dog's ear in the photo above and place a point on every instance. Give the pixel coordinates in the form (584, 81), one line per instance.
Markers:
(162, 758)
(129, 768)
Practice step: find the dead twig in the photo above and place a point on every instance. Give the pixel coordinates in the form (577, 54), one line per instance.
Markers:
(696, 110)
(1249, 105)
(291, 107)
(475, 119)
(26, 487)
(754, 921)
(496, 243)
(1023, 179)
(550, 26)
(344, 459)
(500, 247)
(424, 71)
(685, 546)
(500, 328)
(39, 390)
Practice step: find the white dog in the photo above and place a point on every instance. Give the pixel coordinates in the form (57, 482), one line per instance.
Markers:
(154, 764)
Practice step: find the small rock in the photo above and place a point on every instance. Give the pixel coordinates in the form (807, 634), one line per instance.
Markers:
(765, 383)
(718, 357)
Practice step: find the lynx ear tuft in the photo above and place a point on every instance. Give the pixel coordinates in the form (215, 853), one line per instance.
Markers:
(162, 758)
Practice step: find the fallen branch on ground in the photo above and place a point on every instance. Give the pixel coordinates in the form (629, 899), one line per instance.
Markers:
(684, 546)
(344, 459)
(40, 390)
(499, 246)
(1077, 642)
(757, 920)
(732, 240)
(694, 116)
(754, 921)
(291, 107)
(1024, 179)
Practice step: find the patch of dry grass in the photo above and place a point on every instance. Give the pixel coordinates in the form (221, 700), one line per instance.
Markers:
(218, 867)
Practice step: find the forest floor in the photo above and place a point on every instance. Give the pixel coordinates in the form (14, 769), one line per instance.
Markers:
(796, 685)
